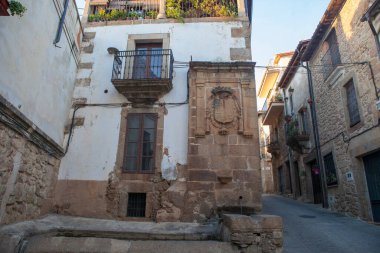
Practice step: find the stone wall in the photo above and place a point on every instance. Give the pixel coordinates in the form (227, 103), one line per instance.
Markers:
(28, 176)
(223, 160)
(356, 44)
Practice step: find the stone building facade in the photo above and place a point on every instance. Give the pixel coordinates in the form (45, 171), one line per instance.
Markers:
(36, 85)
(191, 105)
(346, 92)
(298, 130)
(341, 63)
(272, 115)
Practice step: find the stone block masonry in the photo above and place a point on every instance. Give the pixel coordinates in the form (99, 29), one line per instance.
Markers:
(233, 234)
(27, 178)
(337, 136)
(223, 160)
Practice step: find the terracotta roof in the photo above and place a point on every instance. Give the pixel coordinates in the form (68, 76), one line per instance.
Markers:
(291, 69)
(329, 16)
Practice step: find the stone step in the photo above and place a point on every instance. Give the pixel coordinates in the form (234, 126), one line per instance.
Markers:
(97, 245)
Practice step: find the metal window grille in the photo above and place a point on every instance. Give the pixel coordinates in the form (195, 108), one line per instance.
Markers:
(136, 204)
(352, 103)
(331, 178)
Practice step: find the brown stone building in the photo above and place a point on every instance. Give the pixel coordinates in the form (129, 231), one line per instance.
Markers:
(184, 138)
(341, 64)
(346, 93)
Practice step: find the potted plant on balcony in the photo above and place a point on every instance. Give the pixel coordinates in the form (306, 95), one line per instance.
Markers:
(15, 8)
(288, 118)
(278, 98)
(292, 131)
(152, 14)
(133, 14)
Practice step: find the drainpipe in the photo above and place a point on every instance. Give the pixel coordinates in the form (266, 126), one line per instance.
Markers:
(320, 163)
(290, 153)
(61, 21)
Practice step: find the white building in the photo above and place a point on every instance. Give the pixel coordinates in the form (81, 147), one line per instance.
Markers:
(38, 63)
(136, 68)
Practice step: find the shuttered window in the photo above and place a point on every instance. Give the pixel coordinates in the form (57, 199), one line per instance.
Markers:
(331, 178)
(352, 103)
(140, 142)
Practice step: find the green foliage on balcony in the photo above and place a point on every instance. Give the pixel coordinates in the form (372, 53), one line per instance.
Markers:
(16, 8)
(116, 14)
(292, 132)
(180, 9)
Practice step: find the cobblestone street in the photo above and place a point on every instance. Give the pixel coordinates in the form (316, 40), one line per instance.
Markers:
(309, 228)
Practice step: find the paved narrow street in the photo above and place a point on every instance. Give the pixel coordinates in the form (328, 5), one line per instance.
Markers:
(309, 228)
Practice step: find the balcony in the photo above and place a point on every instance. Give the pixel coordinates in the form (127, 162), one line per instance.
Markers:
(108, 10)
(143, 76)
(273, 146)
(274, 109)
(296, 138)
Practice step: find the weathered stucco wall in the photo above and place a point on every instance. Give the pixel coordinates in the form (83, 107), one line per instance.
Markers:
(186, 45)
(35, 76)
(95, 156)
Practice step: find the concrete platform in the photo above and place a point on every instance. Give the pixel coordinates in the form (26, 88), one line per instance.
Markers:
(17, 236)
(100, 245)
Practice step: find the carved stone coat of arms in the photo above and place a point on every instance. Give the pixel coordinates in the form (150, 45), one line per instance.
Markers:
(223, 110)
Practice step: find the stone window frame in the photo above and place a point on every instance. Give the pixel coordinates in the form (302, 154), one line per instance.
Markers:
(122, 141)
(140, 143)
(342, 84)
(134, 39)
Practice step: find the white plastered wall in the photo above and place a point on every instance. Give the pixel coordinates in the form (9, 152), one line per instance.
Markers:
(92, 152)
(35, 76)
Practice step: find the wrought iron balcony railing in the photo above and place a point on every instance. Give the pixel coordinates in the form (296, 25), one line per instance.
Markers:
(102, 10)
(201, 8)
(150, 64)
(273, 145)
(143, 75)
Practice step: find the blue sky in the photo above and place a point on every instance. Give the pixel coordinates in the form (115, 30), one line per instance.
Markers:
(278, 26)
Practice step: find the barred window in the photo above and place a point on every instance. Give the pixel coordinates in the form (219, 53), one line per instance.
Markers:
(352, 103)
(136, 204)
(331, 178)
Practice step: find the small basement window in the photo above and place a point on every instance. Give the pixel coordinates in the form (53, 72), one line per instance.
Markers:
(136, 204)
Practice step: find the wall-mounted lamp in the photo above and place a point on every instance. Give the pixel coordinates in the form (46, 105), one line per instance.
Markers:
(112, 50)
